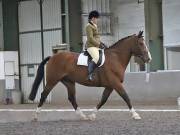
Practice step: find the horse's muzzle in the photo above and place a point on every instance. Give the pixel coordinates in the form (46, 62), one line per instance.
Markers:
(149, 60)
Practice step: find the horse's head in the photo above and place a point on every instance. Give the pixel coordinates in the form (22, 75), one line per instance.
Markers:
(140, 49)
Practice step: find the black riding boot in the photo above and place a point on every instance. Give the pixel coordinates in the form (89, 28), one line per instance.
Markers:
(91, 67)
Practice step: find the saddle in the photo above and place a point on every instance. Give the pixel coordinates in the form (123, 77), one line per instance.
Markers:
(84, 58)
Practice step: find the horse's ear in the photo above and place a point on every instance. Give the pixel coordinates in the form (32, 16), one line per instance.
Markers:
(140, 34)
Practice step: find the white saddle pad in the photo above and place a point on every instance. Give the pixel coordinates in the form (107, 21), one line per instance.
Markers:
(83, 60)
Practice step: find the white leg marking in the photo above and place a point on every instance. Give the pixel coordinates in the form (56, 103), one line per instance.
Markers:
(135, 115)
(38, 110)
(93, 115)
(81, 114)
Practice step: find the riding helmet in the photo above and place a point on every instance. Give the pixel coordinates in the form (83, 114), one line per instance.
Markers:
(94, 14)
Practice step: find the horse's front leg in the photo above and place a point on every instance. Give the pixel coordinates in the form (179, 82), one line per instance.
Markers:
(121, 91)
(105, 95)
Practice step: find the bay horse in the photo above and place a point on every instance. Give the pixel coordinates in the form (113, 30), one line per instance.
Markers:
(62, 67)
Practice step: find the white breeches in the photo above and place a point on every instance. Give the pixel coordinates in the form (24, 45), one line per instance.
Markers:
(94, 52)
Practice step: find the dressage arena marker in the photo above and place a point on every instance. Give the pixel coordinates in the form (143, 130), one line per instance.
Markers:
(89, 110)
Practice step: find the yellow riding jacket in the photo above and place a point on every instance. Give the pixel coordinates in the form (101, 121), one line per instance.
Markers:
(93, 37)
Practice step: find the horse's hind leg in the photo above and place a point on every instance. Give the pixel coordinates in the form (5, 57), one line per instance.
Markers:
(105, 96)
(72, 97)
(44, 94)
(107, 92)
(71, 93)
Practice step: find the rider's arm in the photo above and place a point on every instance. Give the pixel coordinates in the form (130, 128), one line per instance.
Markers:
(103, 46)
(90, 37)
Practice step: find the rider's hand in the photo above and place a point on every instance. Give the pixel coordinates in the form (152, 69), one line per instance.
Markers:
(103, 46)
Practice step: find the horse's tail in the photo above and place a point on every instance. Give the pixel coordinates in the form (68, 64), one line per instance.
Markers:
(38, 79)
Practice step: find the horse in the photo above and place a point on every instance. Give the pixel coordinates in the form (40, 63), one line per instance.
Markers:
(62, 67)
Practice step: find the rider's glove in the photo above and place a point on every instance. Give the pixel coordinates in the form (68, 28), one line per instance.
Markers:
(103, 46)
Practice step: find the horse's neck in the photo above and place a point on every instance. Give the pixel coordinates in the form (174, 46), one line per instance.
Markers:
(123, 51)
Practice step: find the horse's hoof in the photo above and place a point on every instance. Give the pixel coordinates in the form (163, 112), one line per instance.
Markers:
(136, 117)
(84, 118)
(92, 117)
(81, 114)
(34, 119)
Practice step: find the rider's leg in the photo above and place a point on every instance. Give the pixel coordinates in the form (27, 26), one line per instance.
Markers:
(91, 67)
(94, 52)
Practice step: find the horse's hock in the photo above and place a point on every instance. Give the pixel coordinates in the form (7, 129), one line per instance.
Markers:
(60, 48)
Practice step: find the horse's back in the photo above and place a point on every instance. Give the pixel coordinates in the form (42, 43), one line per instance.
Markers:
(63, 59)
(65, 56)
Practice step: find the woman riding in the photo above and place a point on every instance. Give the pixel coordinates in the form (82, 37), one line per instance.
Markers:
(93, 43)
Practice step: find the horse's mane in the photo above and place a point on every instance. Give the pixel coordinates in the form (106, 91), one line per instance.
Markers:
(121, 40)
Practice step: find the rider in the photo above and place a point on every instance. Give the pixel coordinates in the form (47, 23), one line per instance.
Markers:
(93, 43)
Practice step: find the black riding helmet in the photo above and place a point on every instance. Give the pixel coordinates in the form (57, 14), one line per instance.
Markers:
(94, 14)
